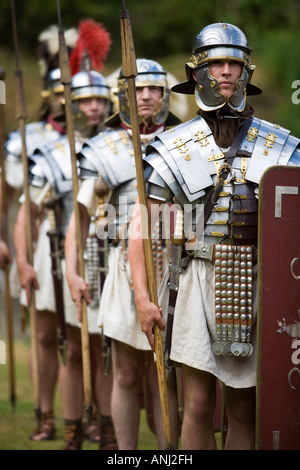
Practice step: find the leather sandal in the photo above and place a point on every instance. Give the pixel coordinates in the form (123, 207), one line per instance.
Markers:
(108, 440)
(46, 429)
(73, 435)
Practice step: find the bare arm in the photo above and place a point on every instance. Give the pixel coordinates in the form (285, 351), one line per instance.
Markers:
(78, 287)
(149, 313)
(5, 253)
(28, 278)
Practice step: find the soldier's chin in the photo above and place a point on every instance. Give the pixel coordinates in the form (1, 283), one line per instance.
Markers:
(93, 122)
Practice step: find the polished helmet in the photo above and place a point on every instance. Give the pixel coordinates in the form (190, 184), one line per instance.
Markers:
(218, 41)
(52, 83)
(150, 73)
(89, 84)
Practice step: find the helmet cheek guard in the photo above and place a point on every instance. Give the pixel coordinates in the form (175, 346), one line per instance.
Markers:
(207, 96)
(160, 116)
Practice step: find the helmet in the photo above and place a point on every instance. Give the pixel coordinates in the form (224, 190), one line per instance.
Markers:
(88, 84)
(52, 83)
(150, 73)
(218, 41)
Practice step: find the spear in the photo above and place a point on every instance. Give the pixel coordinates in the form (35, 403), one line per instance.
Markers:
(21, 116)
(66, 81)
(8, 303)
(130, 72)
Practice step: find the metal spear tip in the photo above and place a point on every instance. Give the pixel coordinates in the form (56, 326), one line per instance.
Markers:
(2, 73)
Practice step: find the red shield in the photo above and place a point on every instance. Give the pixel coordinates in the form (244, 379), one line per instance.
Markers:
(278, 371)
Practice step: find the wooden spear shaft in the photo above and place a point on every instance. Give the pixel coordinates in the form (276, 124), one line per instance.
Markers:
(21, 116)
(130, 72)
(85, 347)
(8, 303)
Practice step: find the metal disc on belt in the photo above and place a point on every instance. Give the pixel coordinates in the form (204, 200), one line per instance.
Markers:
(278, 366)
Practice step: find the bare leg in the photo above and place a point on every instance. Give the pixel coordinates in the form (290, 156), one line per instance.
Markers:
(128, 373)
(152, 381)
(71, 386)
(240, 407)
(199, 404)
(102, 385)
(102, 390)
(48, 371)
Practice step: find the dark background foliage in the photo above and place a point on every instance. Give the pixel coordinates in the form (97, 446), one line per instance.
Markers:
(164, 30)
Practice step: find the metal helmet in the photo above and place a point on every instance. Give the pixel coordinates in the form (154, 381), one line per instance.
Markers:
(150, 73)
(52, 83)
(218, 41)
(52, 102)
(88, 84)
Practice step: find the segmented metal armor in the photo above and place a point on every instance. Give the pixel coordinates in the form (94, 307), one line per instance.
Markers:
(110, 155)
(51, 164)
(36, 133)
(185, 161)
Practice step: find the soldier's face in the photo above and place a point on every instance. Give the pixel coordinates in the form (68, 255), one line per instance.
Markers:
(93, 108)
(148, 99)
(226, 72)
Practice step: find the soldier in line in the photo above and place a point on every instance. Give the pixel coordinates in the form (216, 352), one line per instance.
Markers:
(50, 175)
(216, 160)
(47, 129)
(108, 169)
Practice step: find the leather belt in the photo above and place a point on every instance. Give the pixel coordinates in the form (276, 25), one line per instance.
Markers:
(207, 250)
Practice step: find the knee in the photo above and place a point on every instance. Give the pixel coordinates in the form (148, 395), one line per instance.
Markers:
(47, 339)
(128, 377)
(74, 354)
(243, 412)
(200, 409)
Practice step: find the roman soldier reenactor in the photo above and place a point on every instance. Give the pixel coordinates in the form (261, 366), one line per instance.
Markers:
(211, 167)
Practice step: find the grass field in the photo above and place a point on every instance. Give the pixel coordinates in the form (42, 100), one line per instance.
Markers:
(15, 427)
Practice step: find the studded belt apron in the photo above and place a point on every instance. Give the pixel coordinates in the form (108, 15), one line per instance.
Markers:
(233, 300)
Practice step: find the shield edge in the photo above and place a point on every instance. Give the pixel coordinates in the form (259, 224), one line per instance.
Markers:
(259, 300)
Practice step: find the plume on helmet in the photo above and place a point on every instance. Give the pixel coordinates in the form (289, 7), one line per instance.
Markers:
(48, 48)
(91, 48)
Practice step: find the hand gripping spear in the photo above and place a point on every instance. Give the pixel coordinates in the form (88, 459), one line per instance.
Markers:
(21, 116)
(130, 72)
(8, 303)
(66, 81)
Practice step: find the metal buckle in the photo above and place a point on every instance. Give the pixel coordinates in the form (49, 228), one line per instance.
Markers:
(203, 250)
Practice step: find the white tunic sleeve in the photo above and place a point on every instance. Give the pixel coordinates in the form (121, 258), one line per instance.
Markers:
(87, 197)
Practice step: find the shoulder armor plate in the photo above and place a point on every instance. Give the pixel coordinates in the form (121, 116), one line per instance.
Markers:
(111, 155)
(187, 157)
(36, 133)
(273, 145)
(54, 162)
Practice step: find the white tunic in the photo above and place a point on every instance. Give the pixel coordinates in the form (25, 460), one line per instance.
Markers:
(194, 328)
(44, 296)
